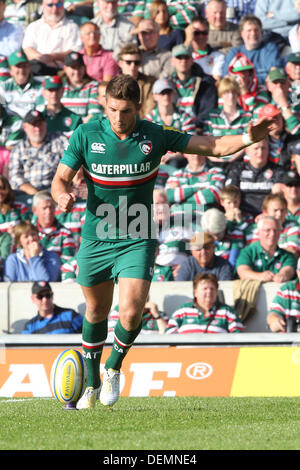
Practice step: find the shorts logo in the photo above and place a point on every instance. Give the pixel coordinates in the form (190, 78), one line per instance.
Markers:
(146, 146)
(98, 147)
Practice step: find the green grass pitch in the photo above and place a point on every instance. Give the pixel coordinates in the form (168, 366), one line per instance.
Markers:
(154, 423)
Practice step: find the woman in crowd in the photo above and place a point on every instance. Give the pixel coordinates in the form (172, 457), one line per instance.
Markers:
(31, 262)
(204, 314)
(168, 37)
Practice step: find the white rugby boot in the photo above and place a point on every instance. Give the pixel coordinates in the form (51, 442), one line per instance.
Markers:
(89, 398)
(110, 390)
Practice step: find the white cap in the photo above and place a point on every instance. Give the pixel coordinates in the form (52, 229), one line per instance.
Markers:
(161, 85)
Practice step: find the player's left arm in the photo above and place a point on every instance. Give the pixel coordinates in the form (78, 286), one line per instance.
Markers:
(61, 187)
(228, 144)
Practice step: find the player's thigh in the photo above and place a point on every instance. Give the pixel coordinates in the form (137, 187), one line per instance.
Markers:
(133, 295)
(98, 300)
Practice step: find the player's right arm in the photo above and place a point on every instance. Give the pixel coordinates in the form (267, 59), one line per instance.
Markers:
(61, 187)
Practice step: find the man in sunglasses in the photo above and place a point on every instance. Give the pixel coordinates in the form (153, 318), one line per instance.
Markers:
(49, 39)
(196, 36)
(50, 318)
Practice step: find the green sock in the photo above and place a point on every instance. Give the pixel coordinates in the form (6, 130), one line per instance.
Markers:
(123, 340)
(93, 339)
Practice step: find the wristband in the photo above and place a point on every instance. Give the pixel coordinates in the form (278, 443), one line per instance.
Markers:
(247, 140)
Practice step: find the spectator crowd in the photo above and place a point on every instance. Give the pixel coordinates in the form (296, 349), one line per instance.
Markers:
(206, 67)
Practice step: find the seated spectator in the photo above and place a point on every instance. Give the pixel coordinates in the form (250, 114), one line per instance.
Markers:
(22, 12)
(11, 35)
(196, 90)
(196, 187)
(59, 119)
(181, 12)
(129, 62)
(275, 205)
(285, 128)
(291, 191)
(230, 200)
(172, 236)
(11, 132)
(279, 91)
(33, 161)
(80, 92)
(51, 319)
(278, 16)
(6, 245)
(155, 60)
(19, 93)
(30, 262)
(53, 236)
(285, 306)
(168, 36)
(204, 260)
(49, 39)
(74, 219)
(222, 33)
(204, 314)
(99, 63)
(262, 54)
(252, 94)
(292, 69)
(166, 113)
(255, 178)
(153, 321)
(11, 212)
(210, 60)
(229, 117)
(116, 30)
(264, 260)
(228, 243)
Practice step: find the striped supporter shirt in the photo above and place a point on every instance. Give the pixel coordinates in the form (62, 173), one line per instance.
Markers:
(190, 319)
(289, 236)
(287, 300)
(201, 189)
(58, 239)
(81, 100)
(18, 99)
(18, 212)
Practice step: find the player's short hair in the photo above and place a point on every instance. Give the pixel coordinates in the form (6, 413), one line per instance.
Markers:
(273, 197)
(25, 226)
(124, 87)
(205, 277)
(41, 196)
(230, 192)
(228, 84)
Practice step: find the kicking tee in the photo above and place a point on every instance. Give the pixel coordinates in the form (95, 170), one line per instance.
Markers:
(120, 175)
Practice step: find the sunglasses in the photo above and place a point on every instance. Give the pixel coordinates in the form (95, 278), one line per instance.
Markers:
(48, 295)
(135, 62)
(200, 33)
(57, 5)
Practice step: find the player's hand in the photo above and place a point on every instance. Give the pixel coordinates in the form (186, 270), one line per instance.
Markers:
(66, 201)
(260, 130)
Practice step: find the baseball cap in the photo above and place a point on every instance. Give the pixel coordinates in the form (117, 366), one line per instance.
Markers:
(181, 49)
(161, 85)
(277, 74)
(295, 58)
(52, 82)
(291, 178)
(268, 111)
(40, 286)
(201, 239)
(17, 57)
(73, 58)
(33, 116)
(241, 64)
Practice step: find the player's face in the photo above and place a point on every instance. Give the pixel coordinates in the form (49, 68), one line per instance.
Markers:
(122, 115)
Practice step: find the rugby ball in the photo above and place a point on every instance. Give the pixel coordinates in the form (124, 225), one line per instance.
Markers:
(68, 377)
